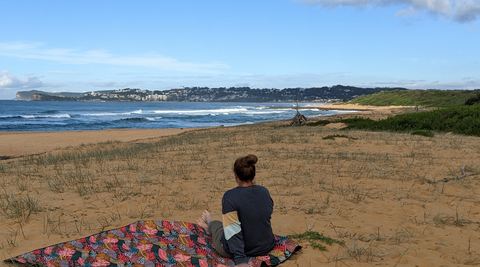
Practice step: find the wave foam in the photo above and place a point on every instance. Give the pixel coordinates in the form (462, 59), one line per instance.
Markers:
(202, 111)
(62, 116)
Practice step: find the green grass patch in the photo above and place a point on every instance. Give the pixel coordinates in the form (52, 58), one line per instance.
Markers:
(460, 120)
(473, 100)
(3, 167)
(428, 98)
(18, 207)
(426, 133)
(319, 123)
(333, 136)
(314, 238)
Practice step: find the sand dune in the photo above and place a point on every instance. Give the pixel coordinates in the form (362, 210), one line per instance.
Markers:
(369, 190)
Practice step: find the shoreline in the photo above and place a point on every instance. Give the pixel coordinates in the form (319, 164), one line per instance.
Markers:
(19, 144)
(359, 109)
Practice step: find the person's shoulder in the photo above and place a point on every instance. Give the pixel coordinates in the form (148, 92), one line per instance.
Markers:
(261, 188)
(229, 192)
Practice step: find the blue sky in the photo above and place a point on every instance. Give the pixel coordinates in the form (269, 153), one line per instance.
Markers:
(88, 45)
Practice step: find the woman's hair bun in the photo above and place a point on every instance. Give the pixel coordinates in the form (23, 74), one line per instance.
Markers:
(251, 159)
(244, 167)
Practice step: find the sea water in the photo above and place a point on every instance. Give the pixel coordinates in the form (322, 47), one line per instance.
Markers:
(75, 116)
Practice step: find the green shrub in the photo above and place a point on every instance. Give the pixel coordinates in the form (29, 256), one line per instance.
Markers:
(426, 133)
(459, 119)
(473, 100)
(314, 237)
(428, 98)
(319, 123)
(337, 135)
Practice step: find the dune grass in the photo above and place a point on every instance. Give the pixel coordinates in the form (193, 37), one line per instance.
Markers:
(459, 120)
(334, 184)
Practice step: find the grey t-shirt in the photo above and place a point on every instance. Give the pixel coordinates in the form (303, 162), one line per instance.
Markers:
(247, 212)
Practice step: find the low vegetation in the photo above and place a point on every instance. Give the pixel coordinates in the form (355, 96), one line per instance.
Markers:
(459, 120)
(427, 98)
(314, 238)
(426, 133)
(319, 123)
(333, 136)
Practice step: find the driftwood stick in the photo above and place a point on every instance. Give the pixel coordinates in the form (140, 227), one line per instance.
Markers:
(450, 179)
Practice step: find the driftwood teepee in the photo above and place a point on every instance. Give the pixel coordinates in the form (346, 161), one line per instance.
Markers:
(299, 118)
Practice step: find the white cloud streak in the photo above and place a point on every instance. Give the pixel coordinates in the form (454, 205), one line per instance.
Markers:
(76, 56)
(463, 11)
(463, 84)
(305, 80)
(117, 85)
(10, 81)
(10, 84)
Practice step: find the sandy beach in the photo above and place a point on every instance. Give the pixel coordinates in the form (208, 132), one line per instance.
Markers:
(369, 189)
(18, 144)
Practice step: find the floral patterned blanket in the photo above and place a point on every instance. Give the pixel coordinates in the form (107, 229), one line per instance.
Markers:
(150, 244)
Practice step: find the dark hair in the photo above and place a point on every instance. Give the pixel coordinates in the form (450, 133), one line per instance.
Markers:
(244, 167)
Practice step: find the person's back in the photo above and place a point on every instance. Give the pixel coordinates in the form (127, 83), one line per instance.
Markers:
(245, 229)
(254, 208)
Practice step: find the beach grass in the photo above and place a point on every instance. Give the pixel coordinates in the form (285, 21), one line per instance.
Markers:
(366, 190)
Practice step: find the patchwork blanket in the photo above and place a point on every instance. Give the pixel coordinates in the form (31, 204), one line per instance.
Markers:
(150, 244)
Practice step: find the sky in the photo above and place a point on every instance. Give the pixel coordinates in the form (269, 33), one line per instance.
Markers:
(81, 46)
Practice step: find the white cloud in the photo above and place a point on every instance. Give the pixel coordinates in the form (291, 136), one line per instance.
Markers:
(10, 84)
(305, 80)
(9, 81)
(64, 72)
(465, 83)
(463, 11)
(77, 56)
(410, 11)
(467, 11)
(117, 85)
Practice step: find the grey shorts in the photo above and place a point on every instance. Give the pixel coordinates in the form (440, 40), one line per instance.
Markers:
(216, 229)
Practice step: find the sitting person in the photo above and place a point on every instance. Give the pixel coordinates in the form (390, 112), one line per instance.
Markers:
(246, 211)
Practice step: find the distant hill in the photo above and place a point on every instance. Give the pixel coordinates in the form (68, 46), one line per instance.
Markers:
(337, 93)
(428, 98)
(27, 95)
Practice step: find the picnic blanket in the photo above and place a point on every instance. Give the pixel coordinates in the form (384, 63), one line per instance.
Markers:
(150, 244)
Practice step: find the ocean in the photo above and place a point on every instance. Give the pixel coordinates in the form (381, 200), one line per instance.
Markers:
(34, 116)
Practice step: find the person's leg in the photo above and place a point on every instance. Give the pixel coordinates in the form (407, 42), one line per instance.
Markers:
(216, 228)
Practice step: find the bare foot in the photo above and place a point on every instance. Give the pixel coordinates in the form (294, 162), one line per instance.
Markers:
(206, 216)
(203, 222)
